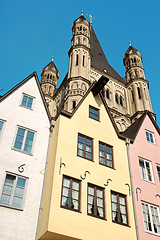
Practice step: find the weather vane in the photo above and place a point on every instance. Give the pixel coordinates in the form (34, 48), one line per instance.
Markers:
(90, 18)
(130, 43)
(52, 59)
(82, 13)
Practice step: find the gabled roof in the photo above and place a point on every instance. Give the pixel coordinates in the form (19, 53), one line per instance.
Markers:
(132, 131)
(34, 74)
(92, 88)
(99, 60)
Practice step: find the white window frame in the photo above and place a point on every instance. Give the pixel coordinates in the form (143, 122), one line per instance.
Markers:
(146, 178)
(24, 140)
(151, 217)
(146, 131)
(29, 96)
(13, 191)
(158, 172)
(1, 133)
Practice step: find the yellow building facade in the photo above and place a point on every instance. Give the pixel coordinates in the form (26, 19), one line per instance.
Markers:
(87, 192)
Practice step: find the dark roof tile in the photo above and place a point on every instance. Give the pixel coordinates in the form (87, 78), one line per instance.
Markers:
(99, 60)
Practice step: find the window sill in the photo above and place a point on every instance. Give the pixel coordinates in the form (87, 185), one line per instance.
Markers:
(71, 209)
(107, 166)
(9, 206)
(122, 224)
(91, 160)
(156, 234)
(26, 107)
(30, 154)
(148, 181)
(102, 218)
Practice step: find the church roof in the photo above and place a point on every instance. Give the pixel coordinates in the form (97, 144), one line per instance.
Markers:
(99, 60)
(51, 65)
(134, 50)
(81, 18)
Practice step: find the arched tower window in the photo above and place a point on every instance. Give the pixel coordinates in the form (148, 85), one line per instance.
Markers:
(132, 96)
(51, 77)
(116, 98)
(139, 92)
(83, 60)
(121, 101)
(78, 40)
(74, 104)
(76, 59)
(107, 93)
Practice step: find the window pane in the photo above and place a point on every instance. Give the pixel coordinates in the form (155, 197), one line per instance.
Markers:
(1, 125)
(142, 168)
(17, 202)
(66, 182)
(5, 199)
(21, 182)
(19, 138)
(19, 192)
(75, 185)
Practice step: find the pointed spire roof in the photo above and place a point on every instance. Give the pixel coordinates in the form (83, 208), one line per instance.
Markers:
(99, 60)
(81, 18)
(50, 66)
(131, 50)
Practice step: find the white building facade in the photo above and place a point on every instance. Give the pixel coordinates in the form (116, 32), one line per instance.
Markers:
(24, 139)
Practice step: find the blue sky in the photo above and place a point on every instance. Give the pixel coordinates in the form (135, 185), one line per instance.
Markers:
(34, 31)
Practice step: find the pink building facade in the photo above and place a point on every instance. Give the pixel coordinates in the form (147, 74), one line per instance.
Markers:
(144, 160)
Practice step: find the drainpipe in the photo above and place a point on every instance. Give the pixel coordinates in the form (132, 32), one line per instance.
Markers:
(127, 141)
(45, 170)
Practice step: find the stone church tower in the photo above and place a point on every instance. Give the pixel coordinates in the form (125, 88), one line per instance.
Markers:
(137, 85)
(127, 97)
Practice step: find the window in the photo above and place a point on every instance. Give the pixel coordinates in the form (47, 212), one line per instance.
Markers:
(76, 59)
(150, 137)
(71, 193)
(105, 154)
(24, 140)
(94, 113)
(132, 96)
(27, 101)
(74, 104)
(116, 98)
(95, 201)
(121, 101)
(85, 147)
(119, 208)
(107, 93)
(1, 126)
(151, 218)
(83, 60)
(13, 191)
(146, 170)
(158, 171)
(139, 92)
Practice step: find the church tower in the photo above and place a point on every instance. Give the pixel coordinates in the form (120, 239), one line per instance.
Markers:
(79, 63)
(49, 78)
(137, 85)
